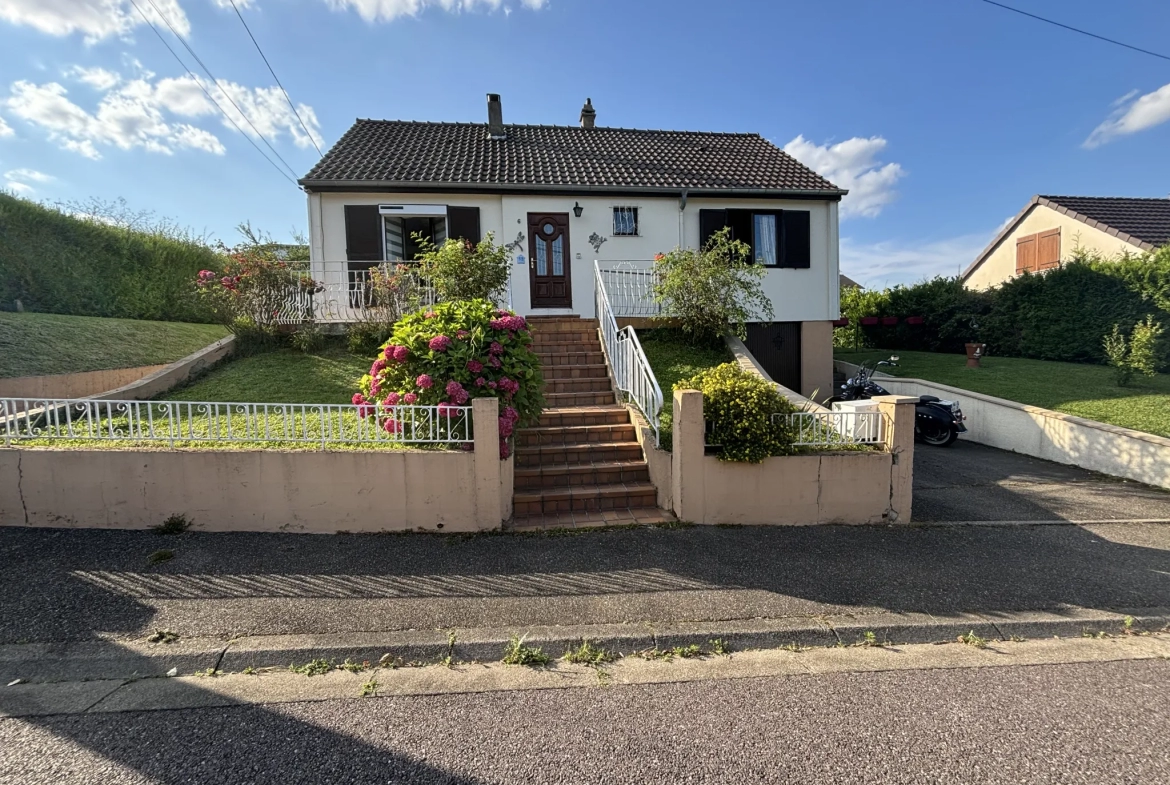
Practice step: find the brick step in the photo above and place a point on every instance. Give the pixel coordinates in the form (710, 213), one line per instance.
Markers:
(575, 434)
(555, 359)
(584, 415)
(557, 386)
(565, 337)
(574, 372)
(559, 323)
(572, 399)
(582, 474)
(587, 498)
(568, 454)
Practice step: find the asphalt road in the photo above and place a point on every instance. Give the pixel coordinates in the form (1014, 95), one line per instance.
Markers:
(1084, 723)
(972, 482)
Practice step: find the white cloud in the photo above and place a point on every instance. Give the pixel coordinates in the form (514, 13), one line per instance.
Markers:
(852, 164)
(1132, 114)
(5, 129)
(96, 19)
(20, 180)
(141, 113)
(97, 78)
(389, 10)
(882, 264)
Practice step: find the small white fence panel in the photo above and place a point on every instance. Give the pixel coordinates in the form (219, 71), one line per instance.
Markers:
(171, 422)
(834, 429)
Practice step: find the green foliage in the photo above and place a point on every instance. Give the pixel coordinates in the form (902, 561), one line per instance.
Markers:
(1117, 355)
(518, 653)
(253, 287)
(588, 654)
(104, 264)
(174, 524)
(673, 356)
(456, 351)
(738, 407)
(308, 338)
(367, 337)
(857, 302)
(1137, 355)
(462, 271)
(711, 291)
(318, 667)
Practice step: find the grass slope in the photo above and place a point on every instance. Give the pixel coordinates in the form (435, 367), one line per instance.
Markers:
(330, 375)
(673, 357)
(35, 344)
(1087, 391)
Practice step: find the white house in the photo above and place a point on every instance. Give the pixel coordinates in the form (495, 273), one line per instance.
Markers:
(567, 196)
(1050, 228)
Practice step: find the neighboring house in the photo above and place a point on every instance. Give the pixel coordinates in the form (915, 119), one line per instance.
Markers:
(564, 196)
(849, 283)
(1050, 228)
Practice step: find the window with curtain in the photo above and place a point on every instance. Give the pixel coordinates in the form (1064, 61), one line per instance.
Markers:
(625, 221)
(764, 239)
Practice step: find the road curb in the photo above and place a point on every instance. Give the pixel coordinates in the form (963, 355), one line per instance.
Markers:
(110, 659)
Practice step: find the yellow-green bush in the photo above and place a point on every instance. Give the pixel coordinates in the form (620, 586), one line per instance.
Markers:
(739, 408)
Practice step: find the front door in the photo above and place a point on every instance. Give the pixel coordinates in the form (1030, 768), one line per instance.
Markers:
(548, 260)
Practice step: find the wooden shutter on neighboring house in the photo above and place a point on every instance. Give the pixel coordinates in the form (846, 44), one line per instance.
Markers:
(463, 223)
(1026, 254)
(710, 222)
(1048, 249)
(796, 249)
(363, 233)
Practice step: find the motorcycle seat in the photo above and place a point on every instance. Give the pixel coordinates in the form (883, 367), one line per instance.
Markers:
(928, 398)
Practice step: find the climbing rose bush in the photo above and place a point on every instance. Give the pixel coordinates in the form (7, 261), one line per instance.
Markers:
(455, 351)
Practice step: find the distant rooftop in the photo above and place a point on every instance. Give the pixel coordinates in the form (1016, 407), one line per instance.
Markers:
(1144, 220)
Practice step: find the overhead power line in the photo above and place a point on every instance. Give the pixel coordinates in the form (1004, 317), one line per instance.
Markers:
(277, 78)
(1077, 30)
(215, 81)
(210, 97)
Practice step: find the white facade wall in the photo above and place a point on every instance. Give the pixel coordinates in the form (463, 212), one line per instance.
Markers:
(797, 295)
(1000, 264)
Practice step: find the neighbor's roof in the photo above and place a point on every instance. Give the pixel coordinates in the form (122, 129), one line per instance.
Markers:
(1141, 222)
(387, 154)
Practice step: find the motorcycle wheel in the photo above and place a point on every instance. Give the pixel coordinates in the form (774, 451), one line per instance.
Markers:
(939, 436)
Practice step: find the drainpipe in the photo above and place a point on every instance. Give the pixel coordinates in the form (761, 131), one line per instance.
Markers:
(682, 206)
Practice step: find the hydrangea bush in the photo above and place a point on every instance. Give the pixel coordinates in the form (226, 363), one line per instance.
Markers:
(455, 351)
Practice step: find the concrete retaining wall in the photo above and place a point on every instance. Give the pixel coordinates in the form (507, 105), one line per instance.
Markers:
(1053, 436)
(73, 385)
(264, 490)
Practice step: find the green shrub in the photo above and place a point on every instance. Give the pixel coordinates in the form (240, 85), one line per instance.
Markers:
(367, 337)
(461, 271)
(711, 291)
(253, 338)
(739, 408)
(1117, 355)
(456, 351)
(54, 262)
(308, 338)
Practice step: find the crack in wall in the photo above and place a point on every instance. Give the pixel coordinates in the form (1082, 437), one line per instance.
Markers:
(20, 484)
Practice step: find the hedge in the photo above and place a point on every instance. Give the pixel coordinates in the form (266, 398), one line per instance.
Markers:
(55, 263)
(1061, 314)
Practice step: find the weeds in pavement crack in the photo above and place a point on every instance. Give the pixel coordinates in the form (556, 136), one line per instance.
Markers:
(517, 653)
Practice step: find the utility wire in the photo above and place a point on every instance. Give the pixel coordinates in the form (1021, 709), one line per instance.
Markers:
(274, 76)
(210, 97)
(1077, 30)
(215, 81)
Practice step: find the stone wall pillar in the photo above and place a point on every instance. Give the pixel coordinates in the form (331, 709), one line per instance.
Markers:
(687, 488)
(485, 420)
(899, 414)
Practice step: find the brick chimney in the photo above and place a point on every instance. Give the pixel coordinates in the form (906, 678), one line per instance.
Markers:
(588, 114)
(495, 116)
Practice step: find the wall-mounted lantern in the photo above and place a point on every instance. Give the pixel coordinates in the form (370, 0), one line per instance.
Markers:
(578, 209)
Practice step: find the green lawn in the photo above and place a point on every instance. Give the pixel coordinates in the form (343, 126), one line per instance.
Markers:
(673, 357)
(330, 375)
(35, 344)
(1083, 390)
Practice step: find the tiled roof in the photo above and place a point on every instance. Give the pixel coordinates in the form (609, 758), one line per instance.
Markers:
(1145, 220)
(383, 152)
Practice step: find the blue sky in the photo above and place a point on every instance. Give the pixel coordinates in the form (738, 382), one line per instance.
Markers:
(943, 116)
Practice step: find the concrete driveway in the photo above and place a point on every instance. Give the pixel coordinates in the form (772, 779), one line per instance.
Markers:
(972, 482)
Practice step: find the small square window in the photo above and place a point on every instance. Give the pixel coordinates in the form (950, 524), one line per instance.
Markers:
(625, 221)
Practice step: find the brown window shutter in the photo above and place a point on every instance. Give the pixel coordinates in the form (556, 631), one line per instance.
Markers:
(797, 239)
(363, 233)
(1048, 250)
(710, 222)
(1026, 254)
(463, 223)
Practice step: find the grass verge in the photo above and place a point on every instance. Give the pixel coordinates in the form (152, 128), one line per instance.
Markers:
(1088, 391)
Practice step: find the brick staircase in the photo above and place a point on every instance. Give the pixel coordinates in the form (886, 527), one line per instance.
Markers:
(581, 464)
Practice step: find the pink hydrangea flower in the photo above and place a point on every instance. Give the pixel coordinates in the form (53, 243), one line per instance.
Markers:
(409, 399)
(494, 361)
(424, 381)
(475, 366)
(392, 399)
(505, 450)
(390, 425)
(511, 413)
(456, 392)
(492, 385)
(480, 381)
(388, 352)
(399, 354)
(440, 343)
(496, 348)
(378, 365)
(375, 387)
(365, 410)
(506, 426)
(357, 399)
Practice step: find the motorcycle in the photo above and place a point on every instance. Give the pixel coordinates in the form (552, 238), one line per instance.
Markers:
(937, 422)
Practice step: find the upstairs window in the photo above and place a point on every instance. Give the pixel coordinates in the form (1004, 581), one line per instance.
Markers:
(1038, 252)
(625, 222)
(777, 238)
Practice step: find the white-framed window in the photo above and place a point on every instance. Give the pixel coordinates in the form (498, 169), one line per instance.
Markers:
(625, 222)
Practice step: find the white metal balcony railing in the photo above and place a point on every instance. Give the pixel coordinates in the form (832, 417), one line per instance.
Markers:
(629, 285)
(349, 296)
(87, 419)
